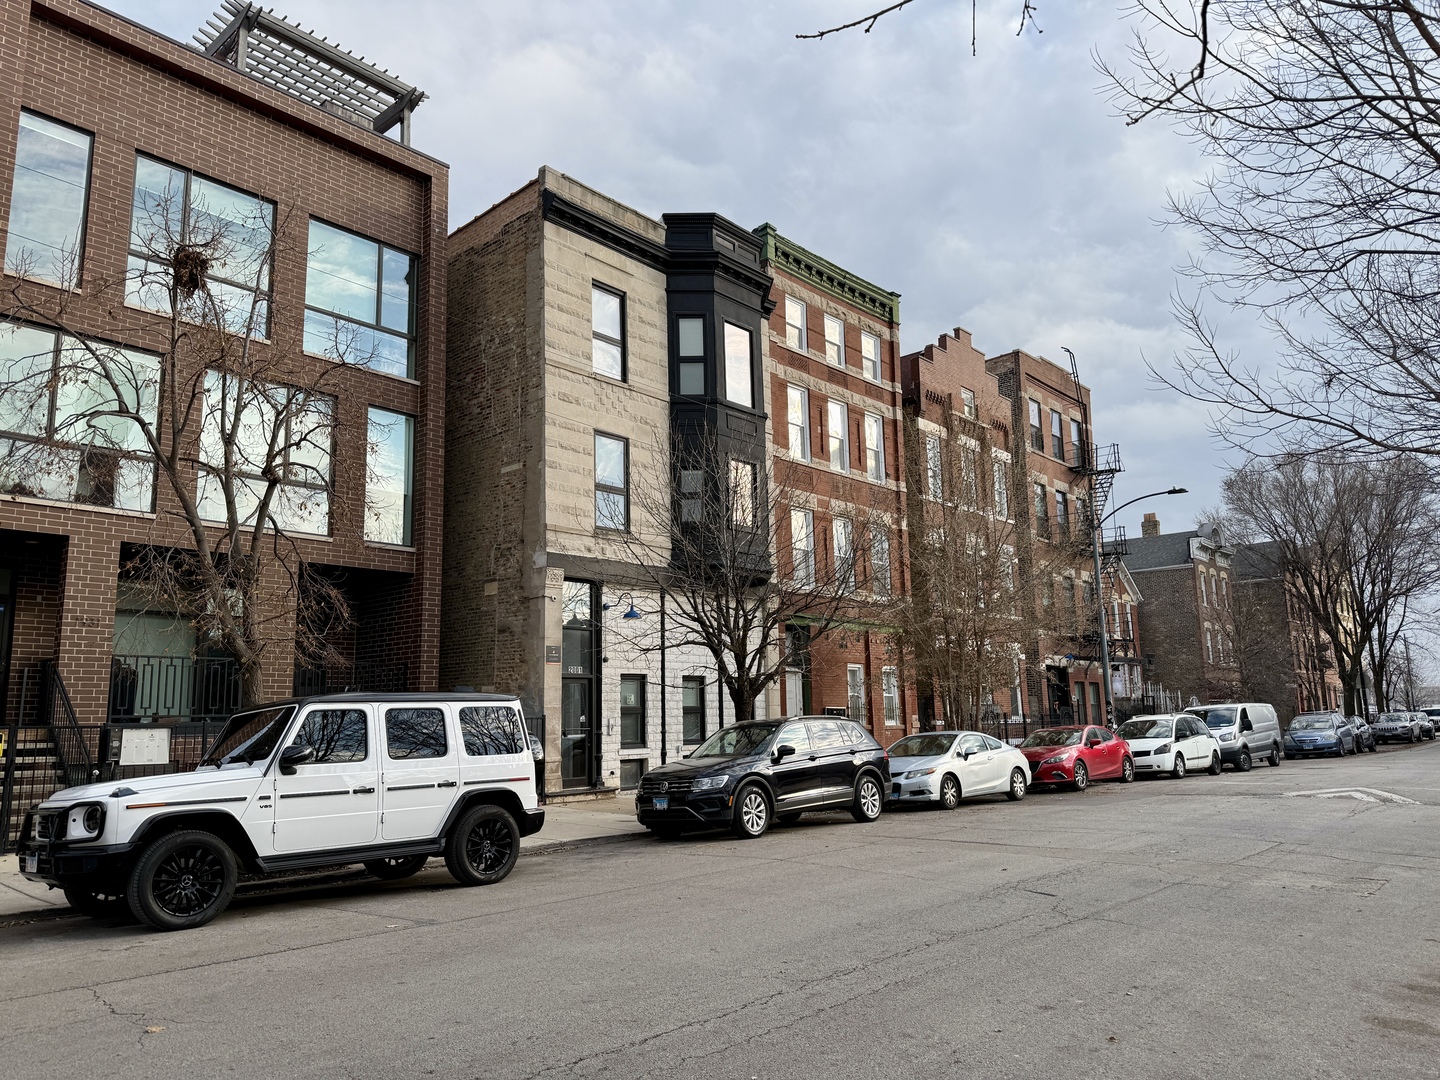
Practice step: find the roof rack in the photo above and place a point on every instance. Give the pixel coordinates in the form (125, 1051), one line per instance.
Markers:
(280, 54)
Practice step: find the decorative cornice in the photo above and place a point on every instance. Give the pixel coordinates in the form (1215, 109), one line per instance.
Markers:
(555, 207)
(790, 257)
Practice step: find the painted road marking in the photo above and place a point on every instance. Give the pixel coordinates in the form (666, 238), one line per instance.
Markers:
(1364, 794)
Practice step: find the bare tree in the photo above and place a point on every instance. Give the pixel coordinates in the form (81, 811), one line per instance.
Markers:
(866, 23)
(707, 543)
(1322, 215)
(221, 404)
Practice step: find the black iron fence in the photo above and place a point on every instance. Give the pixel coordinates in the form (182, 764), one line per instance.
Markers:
(173, 688)
(366, 678)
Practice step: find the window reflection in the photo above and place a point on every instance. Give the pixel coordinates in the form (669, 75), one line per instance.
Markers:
(389, 477)
(489, 730)
(359, 300)
(47, 201)
(337, 735)
(415, 733)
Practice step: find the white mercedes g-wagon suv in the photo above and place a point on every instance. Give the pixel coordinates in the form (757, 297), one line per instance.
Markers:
(386, 780)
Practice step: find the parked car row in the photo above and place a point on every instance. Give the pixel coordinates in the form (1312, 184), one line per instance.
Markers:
(1404, 727)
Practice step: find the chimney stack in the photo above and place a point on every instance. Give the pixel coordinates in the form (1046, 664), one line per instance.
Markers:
(1150, 526)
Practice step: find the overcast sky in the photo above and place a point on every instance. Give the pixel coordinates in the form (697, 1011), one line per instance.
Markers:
(996, 192)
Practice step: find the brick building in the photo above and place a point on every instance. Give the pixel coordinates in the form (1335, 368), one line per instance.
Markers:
(1052, 458)
(584, 337)
(832, 367)
(111, 122)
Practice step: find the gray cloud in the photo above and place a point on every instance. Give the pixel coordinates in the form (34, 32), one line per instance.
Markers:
(996, 193)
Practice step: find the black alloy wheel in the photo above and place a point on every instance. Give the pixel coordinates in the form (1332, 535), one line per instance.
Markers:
(1019, 785)
(397, 869)
(949, 792)
(752, 813)
(98, 904)
(1244, 764)
(1214, 769)
(869, 798)
(483, 846)
(1177, 770)
(1082, 776)
(182, 880)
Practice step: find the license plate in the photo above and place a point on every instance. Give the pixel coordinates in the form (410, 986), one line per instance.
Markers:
(32, 864)
(662, 802)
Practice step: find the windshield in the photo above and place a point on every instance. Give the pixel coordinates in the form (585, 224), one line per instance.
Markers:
(1054, 737)
(1221, 716)
(1146, 728)
(249, 736)
(1393, 718)
(923, 745)
(1312, 723)
(742, 740)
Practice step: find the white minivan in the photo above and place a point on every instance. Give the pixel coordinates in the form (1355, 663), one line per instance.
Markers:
(386, 780)
(1245, 730)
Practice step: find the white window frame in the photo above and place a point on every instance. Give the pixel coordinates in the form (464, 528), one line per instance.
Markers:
(875, 447)
(890, 695)
(1000, 482)
(834, 345)
(880, 571)
(802, 547)
(792, 395)
(795, 331)
(870, 360)
(934, 471)
(837, 435)
(855, 692)
(843, 534)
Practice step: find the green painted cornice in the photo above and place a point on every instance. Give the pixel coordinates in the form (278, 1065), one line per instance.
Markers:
(786, 255)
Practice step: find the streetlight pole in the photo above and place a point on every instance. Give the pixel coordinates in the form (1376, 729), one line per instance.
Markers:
(1105, 687)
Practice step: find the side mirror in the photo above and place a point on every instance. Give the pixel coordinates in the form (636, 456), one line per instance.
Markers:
(783, 751)
(1093, 742)
(295, 755)
(965, 754)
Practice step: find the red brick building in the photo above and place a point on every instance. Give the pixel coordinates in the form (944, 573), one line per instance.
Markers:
(258, 114)
(832, 366)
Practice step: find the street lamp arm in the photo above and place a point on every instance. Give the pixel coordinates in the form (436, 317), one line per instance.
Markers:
(1138, 498)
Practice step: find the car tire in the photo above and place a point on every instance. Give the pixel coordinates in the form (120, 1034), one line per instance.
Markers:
(752, 813)
(1243, 763)
(182, 880)
(98, 904)
(1127, 771)
(396, 869)
(949, 792)
(1340, 749)
(1274, 758)
(1177, 770)
(483, 846)
(1019, 785)
(1412, 737)
(1214, 769)
(869, 798)
(1082, 777)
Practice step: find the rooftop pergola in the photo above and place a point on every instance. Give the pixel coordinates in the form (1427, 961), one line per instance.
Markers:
(281, 54)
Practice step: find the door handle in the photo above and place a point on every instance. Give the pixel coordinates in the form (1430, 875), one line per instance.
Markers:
(446, 783)
(363, 791)
(814, 757)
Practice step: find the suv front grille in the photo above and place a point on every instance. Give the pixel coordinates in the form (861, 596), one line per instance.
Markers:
(650, 786)
(49, 826)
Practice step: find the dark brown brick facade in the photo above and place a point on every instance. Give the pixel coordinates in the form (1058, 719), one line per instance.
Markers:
(136, 91)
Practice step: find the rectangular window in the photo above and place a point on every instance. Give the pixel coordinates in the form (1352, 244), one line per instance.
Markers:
(879, 560)
(1209, 648)
(742, 494)
(690, 347)
(336, 736)
(389, 477)
(838, 433)
(491, 731)
(874, 447)
(607, 331)
(47, 201)
(969, 481)
(890, 694)
(967, 404)
(1002, 491)
(273, 432)
(612, 482)
(1037, 433)
(934, 469)
(631, 770)
(834, 341)
(65, 434)
(1042, 513)
(1077, 445)
(632, 711)
(739, 366)
(359, 301)
(802, 546)
(415, 733)
(794, 324)
(1062, 514)
(870, 355)
(1082, 514)
(1057, 436)
(855, 692)
(692, 494)
(844, 555)
(692, 709)
(233, 231)
(797, 415)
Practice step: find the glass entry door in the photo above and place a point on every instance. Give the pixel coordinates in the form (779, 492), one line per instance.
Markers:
(576, 729)
(579, 719)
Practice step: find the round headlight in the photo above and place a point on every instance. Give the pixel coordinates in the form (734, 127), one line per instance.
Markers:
(93, 820)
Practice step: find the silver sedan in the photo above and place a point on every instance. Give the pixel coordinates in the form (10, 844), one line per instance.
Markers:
(947, 766)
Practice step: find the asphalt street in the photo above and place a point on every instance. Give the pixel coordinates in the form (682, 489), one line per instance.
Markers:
(1271, 924)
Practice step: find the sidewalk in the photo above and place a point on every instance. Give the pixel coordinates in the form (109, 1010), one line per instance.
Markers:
(598, 819)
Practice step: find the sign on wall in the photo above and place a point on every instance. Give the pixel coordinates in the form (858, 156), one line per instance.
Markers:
(145, 745)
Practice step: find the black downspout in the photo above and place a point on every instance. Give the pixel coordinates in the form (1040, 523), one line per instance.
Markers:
(664, 685)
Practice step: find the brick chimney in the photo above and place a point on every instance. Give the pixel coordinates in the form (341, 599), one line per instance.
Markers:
(1150, 526)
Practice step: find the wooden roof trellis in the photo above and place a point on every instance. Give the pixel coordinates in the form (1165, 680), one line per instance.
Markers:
(281, 54)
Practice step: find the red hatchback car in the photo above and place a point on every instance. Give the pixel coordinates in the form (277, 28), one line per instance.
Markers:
(1077, 755)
